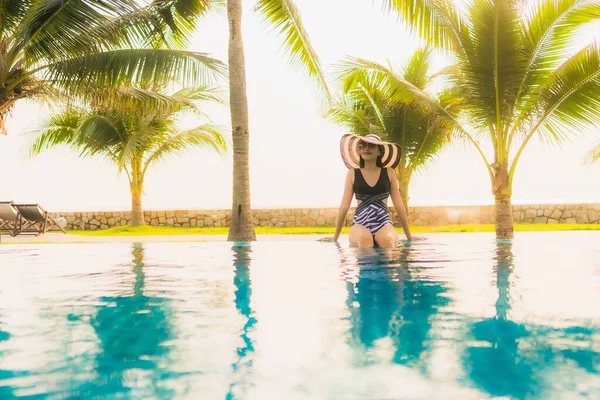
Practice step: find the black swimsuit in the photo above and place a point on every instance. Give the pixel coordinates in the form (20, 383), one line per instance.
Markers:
(373, 212)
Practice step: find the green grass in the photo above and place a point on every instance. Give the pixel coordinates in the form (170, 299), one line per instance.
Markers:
(167, 231)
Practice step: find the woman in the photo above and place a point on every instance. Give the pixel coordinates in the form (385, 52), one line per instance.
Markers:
(371, 177)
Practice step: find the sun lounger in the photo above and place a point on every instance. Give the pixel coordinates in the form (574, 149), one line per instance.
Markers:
(35, 220)
(9, 218)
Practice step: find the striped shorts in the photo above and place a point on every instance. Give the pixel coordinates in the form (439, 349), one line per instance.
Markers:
(372, 215)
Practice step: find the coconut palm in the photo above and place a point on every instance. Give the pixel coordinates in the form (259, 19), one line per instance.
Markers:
(132, 137)
(47, 45)
(517, 73)
(283, 15)
(365, 108)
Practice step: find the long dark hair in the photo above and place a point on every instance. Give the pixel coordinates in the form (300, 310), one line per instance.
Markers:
(379, 161)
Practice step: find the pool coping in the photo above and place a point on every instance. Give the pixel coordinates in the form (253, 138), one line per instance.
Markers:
(59, 238)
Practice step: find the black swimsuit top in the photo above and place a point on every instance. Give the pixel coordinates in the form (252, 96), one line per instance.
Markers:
(363, 191)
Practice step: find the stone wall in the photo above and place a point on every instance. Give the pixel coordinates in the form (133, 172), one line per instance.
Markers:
(444, 215)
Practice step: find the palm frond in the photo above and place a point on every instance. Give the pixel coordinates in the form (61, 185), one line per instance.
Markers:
(284, 17)
(351, 113)
(139, 101)
(131, 67)
(56, 130)
(206, 136)
(50, 28)
(11, 12)
(439, 22)
(570, 102)
(178, 18)
(99, 133)
(417, 68)
(550, 25)
(593, 155)
(550, 28)
(493, 67)
(397, 90)
(198, 93)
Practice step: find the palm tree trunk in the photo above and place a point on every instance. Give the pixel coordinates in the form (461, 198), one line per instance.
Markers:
(404, 192)
(504, 217)
(137, 186)
(403, 175)
(503, 209)
(137, 213)
(241, 228)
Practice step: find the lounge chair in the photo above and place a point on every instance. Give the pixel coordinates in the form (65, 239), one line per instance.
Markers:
(35, 220)
(9, 218)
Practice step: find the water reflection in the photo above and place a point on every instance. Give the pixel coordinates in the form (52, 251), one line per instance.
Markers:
(517, 359)
(391, 297)
(242, 367)
(132, 332)
(5, 391)
(495, 363)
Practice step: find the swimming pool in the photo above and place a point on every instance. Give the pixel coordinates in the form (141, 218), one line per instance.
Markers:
(456, 316)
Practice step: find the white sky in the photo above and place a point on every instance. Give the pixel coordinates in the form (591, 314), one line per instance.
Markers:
(294, 159)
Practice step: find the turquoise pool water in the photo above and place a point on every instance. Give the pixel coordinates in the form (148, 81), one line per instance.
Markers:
(455, 317)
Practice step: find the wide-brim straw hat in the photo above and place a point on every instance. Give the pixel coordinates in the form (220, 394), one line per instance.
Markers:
(390, 157)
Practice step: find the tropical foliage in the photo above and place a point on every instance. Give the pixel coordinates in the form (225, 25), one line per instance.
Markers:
(58, 47)
(367, 107)
(133, 138)
(520, 73)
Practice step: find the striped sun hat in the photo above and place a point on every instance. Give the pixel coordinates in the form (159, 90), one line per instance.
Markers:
(351, 154)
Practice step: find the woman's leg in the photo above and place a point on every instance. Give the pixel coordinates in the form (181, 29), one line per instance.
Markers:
(386, 237)
(360, 237)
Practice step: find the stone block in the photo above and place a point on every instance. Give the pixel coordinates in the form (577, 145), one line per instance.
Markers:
(594, 216)
(556, 214)
(581, 217)
(530, 214)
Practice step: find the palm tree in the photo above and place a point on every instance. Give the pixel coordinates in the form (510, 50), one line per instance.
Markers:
(131, 137)
(365, 108)
(283, 15)
(49, 45)
(516, 71)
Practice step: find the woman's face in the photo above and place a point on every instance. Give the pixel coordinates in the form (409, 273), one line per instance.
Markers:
(369, 151)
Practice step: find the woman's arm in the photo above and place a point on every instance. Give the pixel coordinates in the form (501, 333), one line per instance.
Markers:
(399, 203)
(344, 206)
